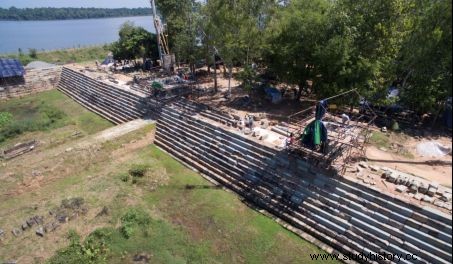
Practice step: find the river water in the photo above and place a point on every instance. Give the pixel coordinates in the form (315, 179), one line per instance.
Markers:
(60, 34)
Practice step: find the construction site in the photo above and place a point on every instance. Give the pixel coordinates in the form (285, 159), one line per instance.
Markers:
(331, 196)
(313, 168)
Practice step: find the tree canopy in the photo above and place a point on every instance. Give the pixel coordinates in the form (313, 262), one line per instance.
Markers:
(338, 45)
(134, 42)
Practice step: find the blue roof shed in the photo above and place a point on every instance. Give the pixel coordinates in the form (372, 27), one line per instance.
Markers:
(11, 68)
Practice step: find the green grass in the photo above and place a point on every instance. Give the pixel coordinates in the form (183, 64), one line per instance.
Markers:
(46, 112)
(64, 56)
(385, 140)
(173, 224)
(158, 216)
(380, 140)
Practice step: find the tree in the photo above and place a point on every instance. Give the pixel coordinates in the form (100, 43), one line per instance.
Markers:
(373, 32)
(339, 45)
(134, 42)
(426, 57)
(294, 33)
(235, 28)
(183, 20)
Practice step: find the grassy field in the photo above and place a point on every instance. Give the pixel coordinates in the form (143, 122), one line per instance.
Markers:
(152, 206)
(63, 56)
(49, 116)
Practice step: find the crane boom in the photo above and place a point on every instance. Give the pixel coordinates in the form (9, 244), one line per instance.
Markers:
(162, 41)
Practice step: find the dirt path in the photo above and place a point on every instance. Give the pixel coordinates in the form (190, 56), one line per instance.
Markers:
(120, 130)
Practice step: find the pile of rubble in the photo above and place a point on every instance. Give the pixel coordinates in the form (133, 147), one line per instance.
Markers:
(414, 187)
(430, 192)
(68, 210)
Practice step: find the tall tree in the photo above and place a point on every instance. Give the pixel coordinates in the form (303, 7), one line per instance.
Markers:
(338, 44)
(235, 28)
(294, 33)
(182, 20)
(134, 42)
(426, 57)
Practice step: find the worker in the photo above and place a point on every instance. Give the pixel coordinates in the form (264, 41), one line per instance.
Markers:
(249, 121)
(289, 140)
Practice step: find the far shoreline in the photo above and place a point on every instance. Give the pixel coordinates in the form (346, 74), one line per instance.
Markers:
(71, 19)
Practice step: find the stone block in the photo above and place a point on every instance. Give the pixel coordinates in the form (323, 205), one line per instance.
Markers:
(49, 227)
(427, 198)
(434, 185)
(418, 196)
(277, 191)
(16, 232)
(40, 231)
(413, 187)
(296, 199)
(24, 226)
(446, 197)
(392, 177)
(439, 203)
(422, 188)
(431, 191)
(401, 188)
(38, 219)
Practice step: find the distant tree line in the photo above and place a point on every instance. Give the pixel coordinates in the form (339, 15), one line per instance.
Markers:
(49, 13)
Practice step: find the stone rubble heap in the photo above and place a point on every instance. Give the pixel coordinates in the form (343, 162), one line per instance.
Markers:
(69, 210)
(419, 189)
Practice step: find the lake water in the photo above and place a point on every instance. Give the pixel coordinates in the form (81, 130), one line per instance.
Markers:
(60, 34)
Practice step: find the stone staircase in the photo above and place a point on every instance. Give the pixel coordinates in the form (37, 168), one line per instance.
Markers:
(117, 105)
(347, 216)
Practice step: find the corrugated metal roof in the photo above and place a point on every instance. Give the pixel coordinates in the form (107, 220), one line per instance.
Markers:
(11, 68)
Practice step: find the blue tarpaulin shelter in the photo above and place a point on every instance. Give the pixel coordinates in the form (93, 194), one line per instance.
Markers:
(274, 94)
(11, 68)
(108, 60)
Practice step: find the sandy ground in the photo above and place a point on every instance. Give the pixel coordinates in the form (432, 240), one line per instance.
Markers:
(438, 169)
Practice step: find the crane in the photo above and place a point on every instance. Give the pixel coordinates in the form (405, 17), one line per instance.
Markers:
(166, 58)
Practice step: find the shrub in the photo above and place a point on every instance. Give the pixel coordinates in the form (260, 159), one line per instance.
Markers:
(134, 218)
(33, 53)
(49, 117)
(5, 118)
(73, 237)
(124, 177)
(138, 170)
(92, 251)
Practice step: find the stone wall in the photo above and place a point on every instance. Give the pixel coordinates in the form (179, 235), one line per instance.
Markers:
(114, 104)
(35, 80)
(346, 216)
